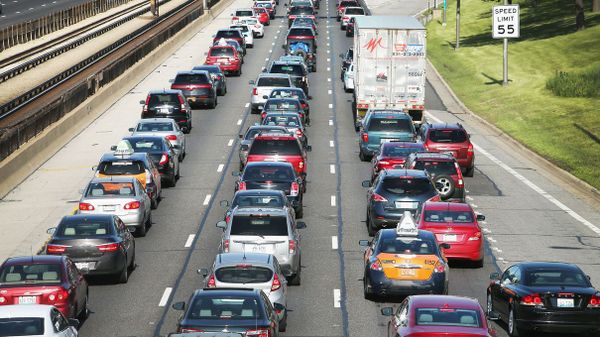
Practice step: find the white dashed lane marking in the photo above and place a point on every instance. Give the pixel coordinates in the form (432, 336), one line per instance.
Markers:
(230, 142)
(332, 168)
(190, 239)
(336, 298)
(220, 168)
(165, 297)
(334, 242)
(206, 199)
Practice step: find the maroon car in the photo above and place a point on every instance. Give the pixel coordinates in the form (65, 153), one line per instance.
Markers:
(451, 138)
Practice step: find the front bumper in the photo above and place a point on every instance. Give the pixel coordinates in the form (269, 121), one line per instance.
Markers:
(380, 285)
(544, 320)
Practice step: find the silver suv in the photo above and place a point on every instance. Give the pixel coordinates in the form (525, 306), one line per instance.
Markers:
(263, 86)
(265, 230)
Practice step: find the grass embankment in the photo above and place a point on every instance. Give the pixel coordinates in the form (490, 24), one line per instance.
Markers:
(565, 130)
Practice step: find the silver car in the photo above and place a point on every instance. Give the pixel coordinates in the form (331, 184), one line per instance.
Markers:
(35, 320)
(253, 131)
(121, 196)
(265, 230)
(166, 127)
(263, 86)
(249, 270)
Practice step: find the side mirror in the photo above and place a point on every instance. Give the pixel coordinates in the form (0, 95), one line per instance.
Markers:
(493, 316)
(74, 322)
(51, 230)
(94, 168)
(264, 70)
(171, 80)
(387, 311)
(278, 307)
(240, 136)
(445, 246)
(113, 148)
(309, 97)
(589, 278)
(235, 173)
(224, 203)
(480, 217)
(366, 183)
(495, 276)
(179, 306)
(142, 102)
(364, 243)
(203, 272)
(341, 55)
(308, 148)
(251, 82)
(265, 97)
(222, 224)
(130, 129)
(300, 225)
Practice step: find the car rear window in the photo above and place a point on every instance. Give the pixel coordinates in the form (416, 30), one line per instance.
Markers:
(84, 229)
(191, 79)
(285, 147)
(244, 13)
(219, 307)
(354, 11)
(292, 69)
(21, 326)
(449, 216)
(407, 186)
(282, 106)
(220, 51)
(436, 167)
(448, 317)
(286, 94)
(273, 82)
(30, 274)
(308, 21)
(253, 132)
(301, 11)
(348, 4)
(263, 225)
(244, 274)
(257, 201)
(555, 277)
(241, 27)
(300, 32)
(398, 151)
(110, 189)
(390, 124)
(269, 173)
(154, 127)
(163, 99)
(285, 121)
(407, 246)
(264, 4)
(447, 136)
(146, 145)
(121, 167)
(228, 34)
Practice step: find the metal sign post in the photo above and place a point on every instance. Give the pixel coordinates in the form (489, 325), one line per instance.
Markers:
(457, 24)
(505, 25)
(444, 15)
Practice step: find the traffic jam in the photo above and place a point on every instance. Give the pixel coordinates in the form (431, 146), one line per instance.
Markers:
(418, 219)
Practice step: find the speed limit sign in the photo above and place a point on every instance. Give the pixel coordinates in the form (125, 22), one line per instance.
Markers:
(505, 22)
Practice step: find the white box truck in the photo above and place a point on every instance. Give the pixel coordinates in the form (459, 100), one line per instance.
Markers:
(389, 62)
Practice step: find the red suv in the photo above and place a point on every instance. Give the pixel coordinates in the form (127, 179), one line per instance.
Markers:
(226, 57)
(457, 225)
(278, 147)
(451, 138)
(444, 172)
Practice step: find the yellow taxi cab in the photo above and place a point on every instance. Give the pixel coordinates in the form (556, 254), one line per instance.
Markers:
(404, 261)
(123, 161)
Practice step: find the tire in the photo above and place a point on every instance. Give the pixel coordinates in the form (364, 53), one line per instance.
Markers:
(250, 46)
(448, 186)
(283, 323)
(132, 264)
(300, 212)
(513, 330)
(84, 312)
(362, 156)
(342, 27)
(154, 203)
(314, 68)
(371, 230)
(124, 274)
(368, 294)
(470, 171)
(141, 231)
(478, 263)
(295, 279)
(213, 104)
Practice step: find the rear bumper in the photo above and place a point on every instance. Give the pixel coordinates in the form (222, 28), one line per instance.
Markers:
(380, 285)
(289, 264)
(471, 251)
(108, 264)
(133, 220)
(558, 322)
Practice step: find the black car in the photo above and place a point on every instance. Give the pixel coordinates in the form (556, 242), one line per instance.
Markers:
(162, 153)
(98, 244)
(197, 86)
(346, 61)
(296, 70)
(273, 176)
(169, 104)
(545, 297)
(274, 105)
(392, 193)
(256, 199)
(247, 311)
(217, 75)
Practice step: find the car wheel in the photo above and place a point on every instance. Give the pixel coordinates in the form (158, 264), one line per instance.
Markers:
(249, 46)
(83, 313)
(342, 27)
(367, 292)
(362, 155)
(132, 264)
(300, 212)
(153, 203)
(314, 68)
(338, 19)
(470, 171)
(124, 275)
(371, 227)
(446, 188)
(478, 263)
(296, 278)
(513, 330)
(141, 231)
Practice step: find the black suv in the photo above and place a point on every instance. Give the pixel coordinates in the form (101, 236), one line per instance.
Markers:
(296, 70)
(168, 104)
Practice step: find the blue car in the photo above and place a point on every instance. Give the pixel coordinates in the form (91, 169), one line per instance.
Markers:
(382, 126)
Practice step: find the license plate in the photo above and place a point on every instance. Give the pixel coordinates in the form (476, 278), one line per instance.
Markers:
(408, 272)
(449, 237)
(387, 140)
(27, 299)
(404, 204)
(109, 208)
(565, 302)
(261, 249)
(84, 265)
(164, 111)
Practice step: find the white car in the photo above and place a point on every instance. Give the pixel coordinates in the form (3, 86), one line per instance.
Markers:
(348, 13)
(247, 33)
(349, 78)
(242, 13)
(258, 29)
(35, 320)
(166, 127)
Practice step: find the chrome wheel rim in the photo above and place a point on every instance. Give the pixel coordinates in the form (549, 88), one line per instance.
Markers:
(445, 185)
(511, 322)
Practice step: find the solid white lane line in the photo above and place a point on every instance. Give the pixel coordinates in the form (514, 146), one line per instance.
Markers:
(332, 169)
(334, 242)
(336, 298)
(230, 142)
(165, 297)
(220, 168)
(206, 199)
(533, 186)
(246, 105)
(332, 200)
(239, 122)
(190, 239)
(331, 143)
(330, 122)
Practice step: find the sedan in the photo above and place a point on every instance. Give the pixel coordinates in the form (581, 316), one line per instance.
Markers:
(36, 320)
(98, 244)
(162, 153)
(44, 279)
(165, 127)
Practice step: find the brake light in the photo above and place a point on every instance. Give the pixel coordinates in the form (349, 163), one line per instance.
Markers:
(301, 164)
(276, 283)
(212, 283)
(2, 299)
(476, 237)
(259, 333)
(182, 102)
(171, 137)
(299, 133)
(436, 198)
(594, 302)
(60, 295)
(440, 268)
(254, 91)
(263, 115)
(55, 249)
(226, 246)
(376, 266)
(241, 186)
(132, 205)
(108, 247)
(378, 198)
(461, 183)
(531, 300)
(383, 162)
(345, 18)
(148, 176)
(470, 149)
(365, 137)
(84, 206)
(163, 159)
(146, 104)
(292, 246)
(295, 189)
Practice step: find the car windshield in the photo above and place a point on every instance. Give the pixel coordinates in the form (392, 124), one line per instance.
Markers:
(282, 106)
(292, 69)
(390, 124)
(253, 132)
(244, 274)
(258, 201)
(221, 307)
(163, 99)
(354, 11)
(447, 136)
(146, 145)
(287, 94)
(191, 79)
(269, 173)
(407, 186)
(221, 51)
(436, 167)
(407, 245)
(282, 147)
(399, 151)
(121, 167)
(20, 274)
(458, 217)
(300, 32)
(154, 127)
(244, 13)
(285, 121)
(259, 225)
(448, 317)
(21, 326)
(555, 277)
(110, 190)
(86, 229)
(273, 82)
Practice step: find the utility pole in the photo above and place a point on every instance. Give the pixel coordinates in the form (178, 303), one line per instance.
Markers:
(458, 24)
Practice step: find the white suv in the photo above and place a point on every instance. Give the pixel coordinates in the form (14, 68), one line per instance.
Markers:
(263, 86)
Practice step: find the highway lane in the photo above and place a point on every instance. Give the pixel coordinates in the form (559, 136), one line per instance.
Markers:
(17, 11)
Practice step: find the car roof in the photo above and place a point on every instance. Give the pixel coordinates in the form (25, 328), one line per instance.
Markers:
(227, 291)
(207, 66)
(387, 113)
(192, 72)
(543, 264)
(439, 156)
(276, 211)
(232, 259)
(141, 156)
(30, 310)
(261, 75)
(267, 127)
(440, 301)
(116, 179)
(286, 62)
(447, 206)
(270, 164)
(411, 145)
(391, 233)
(288, 89)
(445, 126)
(35, 259)
(164, 91)
(155, 120)
(260, 192)
(288, 114)
(79, 218)
(206, 334)
(405, 172)
(282, 99)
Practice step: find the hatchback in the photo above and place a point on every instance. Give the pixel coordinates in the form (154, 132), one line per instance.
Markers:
(451, 138)
(276, 147)
(162, 153)
(218, 77)
(392, 155)
(256, 199)
(444, 172)
(284, 105)
(231, 34)
(164, 127)
(253, 131)
(227, 57)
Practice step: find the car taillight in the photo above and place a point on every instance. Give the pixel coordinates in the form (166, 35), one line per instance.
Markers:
(163, 159)
(383, 162)
(299, 133)
(60, 295)
(365, 137)
(376, 266)
(55, 249)
(532, 300)
(378, 198)
(108, 247)
(295, 189)
(148, 176)
(276, 283)
(304, 105)
(436, 198)
(426, 148)
(301, 164)
(182, 102)
(212, 283)
(226, 246)
(171, 137)
(132, 205)
(3, 300)
(254, 91)
(146, 104)
(440, 268)
(241, 186)
(84, 206)
(594, 302)
(475, 237)
(345, 18)
(263, 115)
(470, 149)
(258, 333)
(292, 246)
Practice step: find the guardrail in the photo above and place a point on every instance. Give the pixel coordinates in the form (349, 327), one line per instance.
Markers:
(30, 30)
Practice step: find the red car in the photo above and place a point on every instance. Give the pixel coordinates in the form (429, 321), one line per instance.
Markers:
(343, 4)
(457, 225)
(44, 279)
(452, 138)
(226, 57)
(277, 147)
(393, 155)
(263, 15)
(438, 315)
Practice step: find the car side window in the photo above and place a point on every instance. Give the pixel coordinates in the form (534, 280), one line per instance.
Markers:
(509, 276)
(268, 304)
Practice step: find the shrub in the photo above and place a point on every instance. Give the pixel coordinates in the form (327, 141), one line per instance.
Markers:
(576, 84)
